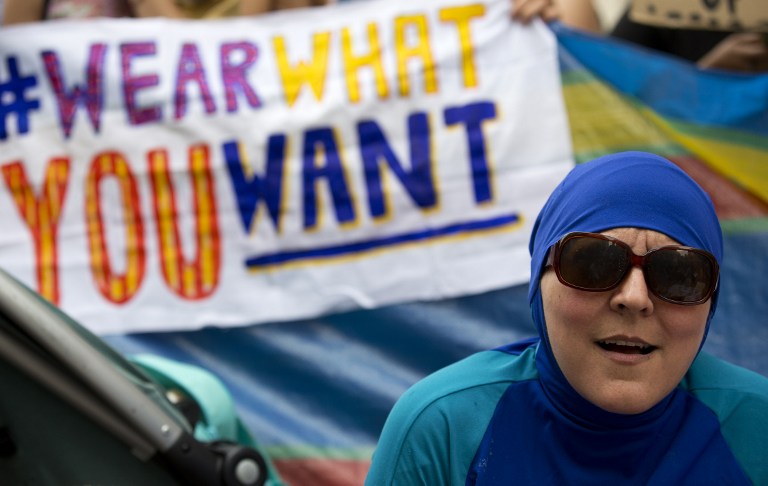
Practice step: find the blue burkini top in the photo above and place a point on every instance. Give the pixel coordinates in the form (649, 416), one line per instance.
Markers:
(509, 416)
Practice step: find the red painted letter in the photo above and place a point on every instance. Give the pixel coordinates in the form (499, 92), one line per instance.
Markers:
(116, 287)
(42, 217)
(199, 278)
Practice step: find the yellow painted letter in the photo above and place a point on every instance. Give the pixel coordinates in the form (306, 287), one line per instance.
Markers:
(313, 73)
(418, 25)
(353, 63)
(461, 17)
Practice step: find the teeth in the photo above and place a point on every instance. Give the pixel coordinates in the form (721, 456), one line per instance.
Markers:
(626, 343)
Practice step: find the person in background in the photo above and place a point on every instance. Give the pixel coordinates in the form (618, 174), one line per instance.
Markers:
(615, 389)
(256, 7)
(709, 49)
(525, 11)
(580, 14)
(23, 11)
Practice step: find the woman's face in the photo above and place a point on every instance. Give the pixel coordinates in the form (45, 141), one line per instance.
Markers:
(597, 337)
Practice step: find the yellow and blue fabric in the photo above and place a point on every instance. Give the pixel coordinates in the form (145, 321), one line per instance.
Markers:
(621, 96)
(509, 416)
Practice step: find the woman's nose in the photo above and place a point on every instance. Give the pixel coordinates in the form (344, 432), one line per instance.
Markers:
(632, 294)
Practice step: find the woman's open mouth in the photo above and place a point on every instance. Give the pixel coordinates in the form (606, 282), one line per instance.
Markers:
(626, 347)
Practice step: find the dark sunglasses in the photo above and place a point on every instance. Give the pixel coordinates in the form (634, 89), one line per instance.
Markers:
(597, 263)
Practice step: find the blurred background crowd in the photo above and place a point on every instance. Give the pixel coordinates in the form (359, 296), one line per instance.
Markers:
(730, 50)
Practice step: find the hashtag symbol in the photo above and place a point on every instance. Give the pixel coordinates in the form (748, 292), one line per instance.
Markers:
(13, 99)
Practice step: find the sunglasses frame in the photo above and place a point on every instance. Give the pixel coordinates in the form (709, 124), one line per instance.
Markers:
(553, 260)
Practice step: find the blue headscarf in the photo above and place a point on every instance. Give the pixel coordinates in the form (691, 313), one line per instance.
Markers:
(628, 189)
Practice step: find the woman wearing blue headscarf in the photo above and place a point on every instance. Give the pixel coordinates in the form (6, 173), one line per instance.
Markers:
(624, 283)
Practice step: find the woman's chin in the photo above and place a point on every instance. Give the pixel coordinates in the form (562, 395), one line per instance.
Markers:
(626, 399)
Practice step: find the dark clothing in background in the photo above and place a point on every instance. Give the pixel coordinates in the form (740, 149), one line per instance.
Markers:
(690, 44)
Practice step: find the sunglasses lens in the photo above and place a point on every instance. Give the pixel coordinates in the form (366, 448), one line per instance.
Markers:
(679, 275)
(592, 263)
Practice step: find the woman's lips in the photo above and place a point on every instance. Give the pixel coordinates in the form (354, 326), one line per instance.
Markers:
(626, 346)
(626, 352)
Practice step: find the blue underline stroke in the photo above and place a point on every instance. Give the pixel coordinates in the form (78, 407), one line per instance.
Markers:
(281, 258)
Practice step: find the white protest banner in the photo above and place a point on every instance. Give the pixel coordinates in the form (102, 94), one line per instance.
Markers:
(166, 175)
